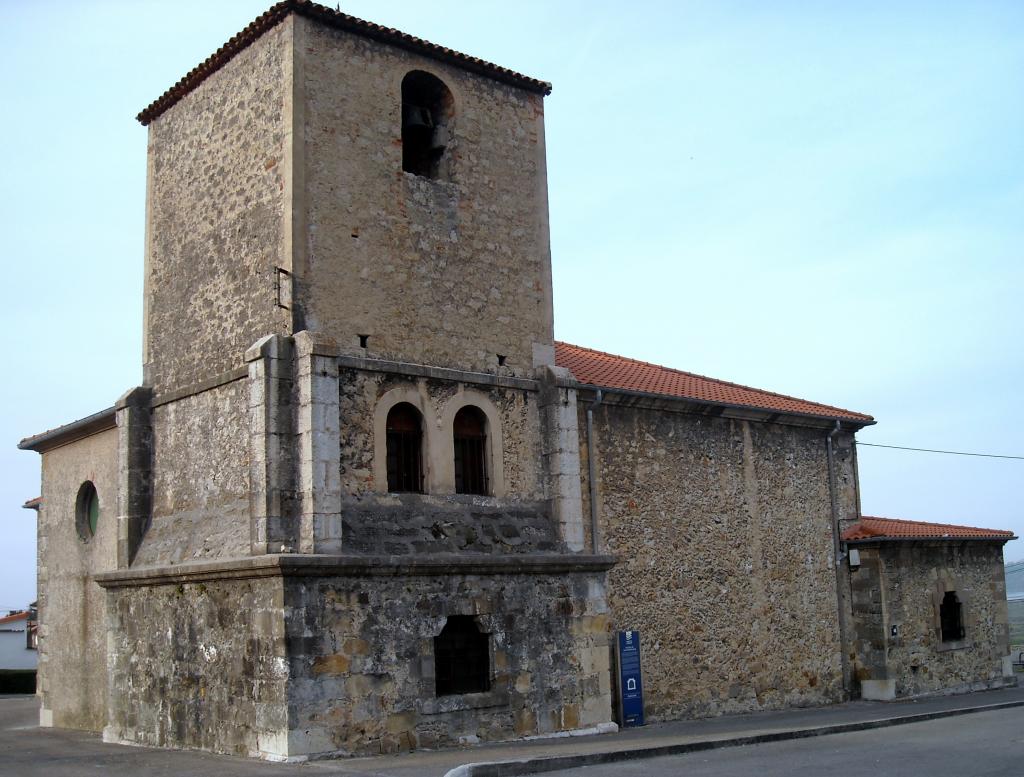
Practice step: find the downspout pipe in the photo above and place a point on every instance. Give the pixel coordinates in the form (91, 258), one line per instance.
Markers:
(592, 471)
(838, 555)
(832, 495)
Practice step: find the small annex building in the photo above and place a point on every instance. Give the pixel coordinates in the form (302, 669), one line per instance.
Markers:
(929, 607)
(364, 501)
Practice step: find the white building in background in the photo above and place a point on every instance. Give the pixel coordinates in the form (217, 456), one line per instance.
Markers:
(17, 648)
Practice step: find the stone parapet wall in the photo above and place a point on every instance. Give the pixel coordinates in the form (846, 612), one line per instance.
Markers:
(723, 527)
(411, 523)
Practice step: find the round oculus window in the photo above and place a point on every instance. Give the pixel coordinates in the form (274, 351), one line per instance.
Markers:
(87, 511)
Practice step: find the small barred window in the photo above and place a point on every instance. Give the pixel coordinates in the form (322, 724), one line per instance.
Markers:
(462, 658)
(952, 618)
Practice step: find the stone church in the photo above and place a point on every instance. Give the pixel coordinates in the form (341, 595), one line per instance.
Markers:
(364, 502)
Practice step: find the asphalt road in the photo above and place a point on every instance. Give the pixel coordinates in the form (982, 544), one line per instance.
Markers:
(29, 751)
(985, 744)
(981, 744)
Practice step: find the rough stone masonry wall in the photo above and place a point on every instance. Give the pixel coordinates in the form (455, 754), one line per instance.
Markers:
(914, 577)
(436, 272)
(868, 628)
(362, 659)
(200, 478)
(199, 665)
(216, 205)
(72, 608)
(441, 521)
(723, 530)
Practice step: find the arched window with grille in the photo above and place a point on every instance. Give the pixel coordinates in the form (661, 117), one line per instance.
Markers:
(405, 448)
(469, 431)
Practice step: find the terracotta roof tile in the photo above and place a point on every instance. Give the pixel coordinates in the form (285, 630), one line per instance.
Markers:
(606, 370)
(18, 616)
(34, 503)
(869, 527)
(276, 13)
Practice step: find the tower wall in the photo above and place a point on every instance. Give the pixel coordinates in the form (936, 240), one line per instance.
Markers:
(218, 186)
(442, 272)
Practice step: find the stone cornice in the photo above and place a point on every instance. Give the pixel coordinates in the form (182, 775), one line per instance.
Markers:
(302, 565)
(76, 430)
(411, 370)
(674, 404)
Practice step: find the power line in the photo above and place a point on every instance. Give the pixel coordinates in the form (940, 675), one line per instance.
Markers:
(932, 450)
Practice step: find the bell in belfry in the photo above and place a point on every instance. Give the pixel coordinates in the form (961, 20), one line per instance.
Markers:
(416, 118)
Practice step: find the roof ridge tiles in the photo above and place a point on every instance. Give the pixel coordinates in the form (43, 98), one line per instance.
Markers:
(335, 18)
(853, 415)
(870, 527)
(912, 522)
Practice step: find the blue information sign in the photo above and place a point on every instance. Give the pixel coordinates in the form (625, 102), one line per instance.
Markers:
(631, 689)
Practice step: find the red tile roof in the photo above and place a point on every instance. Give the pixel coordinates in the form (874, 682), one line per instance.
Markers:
(606, 370)
(276, 13)
(18, 616)
(34, 503)
(871, 528)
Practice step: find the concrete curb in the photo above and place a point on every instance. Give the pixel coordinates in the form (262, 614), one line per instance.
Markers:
(555, 763)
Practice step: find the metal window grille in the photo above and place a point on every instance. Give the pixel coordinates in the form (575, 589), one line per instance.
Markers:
(470, 437)
(404, 449)
(462, 660)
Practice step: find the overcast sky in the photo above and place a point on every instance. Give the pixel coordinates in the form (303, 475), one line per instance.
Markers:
(825, 200)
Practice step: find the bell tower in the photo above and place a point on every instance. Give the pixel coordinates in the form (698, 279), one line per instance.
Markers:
(350, 486)
(424, 224)
(378, 189)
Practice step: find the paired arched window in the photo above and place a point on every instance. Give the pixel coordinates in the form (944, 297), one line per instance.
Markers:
(405, 448)
(426, 125)
(469, 433)
(413, 460)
